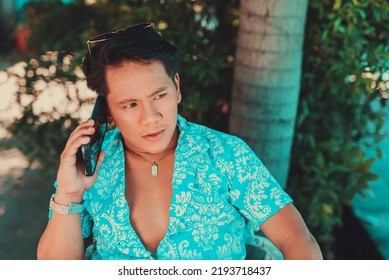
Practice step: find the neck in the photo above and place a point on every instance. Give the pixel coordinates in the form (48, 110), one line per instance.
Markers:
(154, 157)
(166, 153)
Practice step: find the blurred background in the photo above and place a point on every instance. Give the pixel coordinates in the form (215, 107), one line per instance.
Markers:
(304, 82)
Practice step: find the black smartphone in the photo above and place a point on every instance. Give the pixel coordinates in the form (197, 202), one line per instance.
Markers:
(91, 151)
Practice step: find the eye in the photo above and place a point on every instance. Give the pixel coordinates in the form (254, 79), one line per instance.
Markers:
(161, 95)
(131, 105)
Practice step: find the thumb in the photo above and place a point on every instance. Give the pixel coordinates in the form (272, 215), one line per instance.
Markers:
(91, 180)
(99, 162)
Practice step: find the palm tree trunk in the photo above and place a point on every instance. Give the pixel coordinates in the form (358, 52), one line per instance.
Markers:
(267, 79)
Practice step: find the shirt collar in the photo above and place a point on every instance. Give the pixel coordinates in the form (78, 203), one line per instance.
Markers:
(191, 138)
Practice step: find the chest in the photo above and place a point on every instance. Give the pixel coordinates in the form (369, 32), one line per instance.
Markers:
(187, 215)
(149, 199)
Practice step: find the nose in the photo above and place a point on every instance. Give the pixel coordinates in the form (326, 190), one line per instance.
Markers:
(150, 114)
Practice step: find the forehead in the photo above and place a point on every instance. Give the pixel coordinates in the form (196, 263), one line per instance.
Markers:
(133, 70)
(136, 77)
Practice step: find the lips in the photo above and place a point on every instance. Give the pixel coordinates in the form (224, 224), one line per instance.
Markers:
(154, 135)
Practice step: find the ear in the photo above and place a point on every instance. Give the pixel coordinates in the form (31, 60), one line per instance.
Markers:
(177, 85)
(110, 120)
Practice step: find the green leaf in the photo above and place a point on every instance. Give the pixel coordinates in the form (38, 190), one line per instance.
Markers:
(337, 5)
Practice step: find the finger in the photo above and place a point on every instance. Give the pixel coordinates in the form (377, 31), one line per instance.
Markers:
(88, 123)
(69, 154)
(100, 160)
(81, 132)
(98, 165)
(84, 128)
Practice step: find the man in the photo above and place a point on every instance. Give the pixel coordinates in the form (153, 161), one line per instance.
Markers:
(164, 188)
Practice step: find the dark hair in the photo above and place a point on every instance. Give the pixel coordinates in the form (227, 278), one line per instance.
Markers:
(141, 45)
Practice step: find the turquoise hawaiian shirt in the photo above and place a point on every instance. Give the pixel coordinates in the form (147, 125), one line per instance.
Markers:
(219, 184)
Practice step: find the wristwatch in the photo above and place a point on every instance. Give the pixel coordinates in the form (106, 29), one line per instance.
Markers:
(72, 208)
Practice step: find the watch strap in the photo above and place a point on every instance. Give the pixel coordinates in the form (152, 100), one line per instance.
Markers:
(72, 208)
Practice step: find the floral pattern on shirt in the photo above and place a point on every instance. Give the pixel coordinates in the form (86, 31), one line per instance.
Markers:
(219, 184)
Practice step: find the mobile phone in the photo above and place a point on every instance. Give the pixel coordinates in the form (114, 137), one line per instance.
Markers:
(91, 151)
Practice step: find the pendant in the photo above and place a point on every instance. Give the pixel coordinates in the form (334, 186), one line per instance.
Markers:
(154, 169)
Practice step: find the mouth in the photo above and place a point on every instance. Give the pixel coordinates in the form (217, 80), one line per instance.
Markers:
(154, 135)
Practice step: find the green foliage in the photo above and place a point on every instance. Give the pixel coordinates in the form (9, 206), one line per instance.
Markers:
(56, 26)
(346, 56)
(41, 133)
(203, 32)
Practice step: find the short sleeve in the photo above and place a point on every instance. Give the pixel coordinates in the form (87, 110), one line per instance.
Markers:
(86, 219)
(254, 191)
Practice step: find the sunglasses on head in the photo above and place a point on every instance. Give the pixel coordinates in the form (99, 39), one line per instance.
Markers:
(109, 35)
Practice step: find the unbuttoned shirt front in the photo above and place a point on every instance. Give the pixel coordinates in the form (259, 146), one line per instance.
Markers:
(219, 184)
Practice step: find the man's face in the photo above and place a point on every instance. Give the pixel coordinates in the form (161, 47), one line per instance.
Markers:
(142, 101)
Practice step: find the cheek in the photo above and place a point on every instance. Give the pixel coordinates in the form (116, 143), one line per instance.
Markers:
(169, 111)
(172, 105)
(122, 119)
(128, 129)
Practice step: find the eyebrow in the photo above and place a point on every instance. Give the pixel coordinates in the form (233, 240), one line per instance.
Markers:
(151, 95)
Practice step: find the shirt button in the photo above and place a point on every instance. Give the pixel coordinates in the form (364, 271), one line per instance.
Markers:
(154, 256)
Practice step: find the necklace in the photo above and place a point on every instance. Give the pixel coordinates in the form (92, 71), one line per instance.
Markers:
(154, 164)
